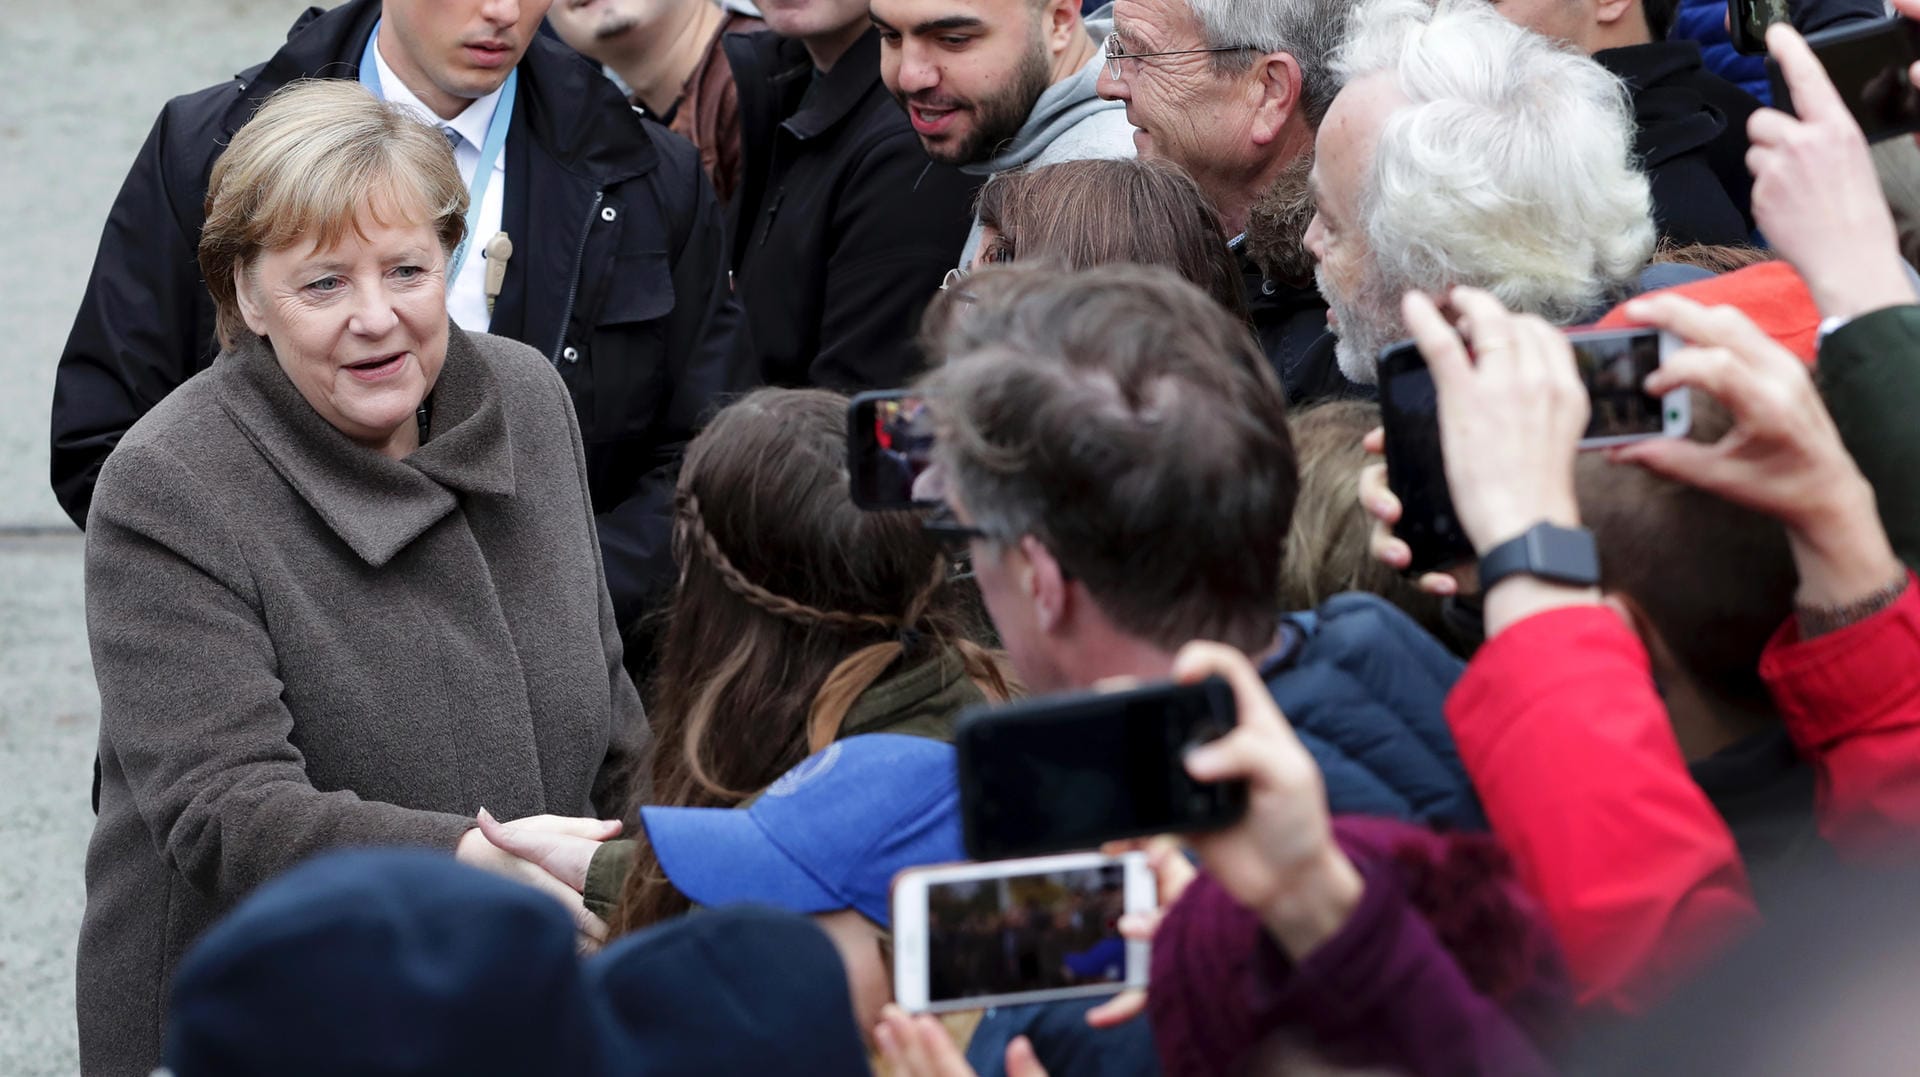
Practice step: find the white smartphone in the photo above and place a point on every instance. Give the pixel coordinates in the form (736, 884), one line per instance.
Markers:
(969, 936)
(1614, 364)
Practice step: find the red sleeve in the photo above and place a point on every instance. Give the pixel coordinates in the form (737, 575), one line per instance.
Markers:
(1851, 702)
(1575, 761)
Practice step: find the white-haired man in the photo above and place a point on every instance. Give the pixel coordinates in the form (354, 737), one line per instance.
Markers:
(1463, 149)
(1232, 91)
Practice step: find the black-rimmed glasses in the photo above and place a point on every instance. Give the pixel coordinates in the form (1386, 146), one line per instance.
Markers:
(943, 525)
(1116, 53)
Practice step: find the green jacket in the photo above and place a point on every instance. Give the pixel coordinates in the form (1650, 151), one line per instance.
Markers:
(1870, 375)
(921, 702)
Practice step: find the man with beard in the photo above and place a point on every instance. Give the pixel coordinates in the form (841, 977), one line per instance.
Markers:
(667, 54)
(842, 229)
(994, 85)
(1464, 150)
(1233, 91)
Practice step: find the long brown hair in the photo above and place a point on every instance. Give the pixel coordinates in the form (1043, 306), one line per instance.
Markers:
(1089, 213)
(791, 603)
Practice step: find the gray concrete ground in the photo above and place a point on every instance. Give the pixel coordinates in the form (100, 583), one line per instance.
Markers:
(85, 79)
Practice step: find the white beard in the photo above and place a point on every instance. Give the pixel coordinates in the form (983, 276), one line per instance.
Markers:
(1364, 323)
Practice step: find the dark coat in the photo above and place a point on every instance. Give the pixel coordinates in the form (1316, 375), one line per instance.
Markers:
(843, 228)
(1365, 688)
(1693, 153)
(303, 645)
(619, 276)
(1289, 319)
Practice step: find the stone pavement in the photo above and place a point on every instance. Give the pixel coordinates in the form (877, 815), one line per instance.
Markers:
(85, 80)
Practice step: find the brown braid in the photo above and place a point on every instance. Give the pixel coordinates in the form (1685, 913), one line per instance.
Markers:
(780, 606)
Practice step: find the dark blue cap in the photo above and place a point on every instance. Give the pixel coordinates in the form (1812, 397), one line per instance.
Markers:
(830, 834)
(408, 962)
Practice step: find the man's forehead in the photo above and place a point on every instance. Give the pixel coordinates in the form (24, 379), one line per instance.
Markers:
(1149, 20)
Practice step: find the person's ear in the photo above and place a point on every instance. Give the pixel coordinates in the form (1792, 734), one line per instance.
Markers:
(1046, 585)
(1060, 22)
(1630, 612)
(1608, 12)
(246, 293)
(1277, 84)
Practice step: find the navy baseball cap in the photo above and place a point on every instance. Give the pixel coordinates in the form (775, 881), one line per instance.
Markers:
(830, 834)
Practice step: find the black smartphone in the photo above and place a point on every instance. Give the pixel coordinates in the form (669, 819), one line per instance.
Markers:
(1416, 471)
(1747, 22)
(1868, 65)
(1069, 772)
(889, 446)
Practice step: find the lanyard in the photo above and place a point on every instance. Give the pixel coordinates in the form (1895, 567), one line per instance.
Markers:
(489, 153)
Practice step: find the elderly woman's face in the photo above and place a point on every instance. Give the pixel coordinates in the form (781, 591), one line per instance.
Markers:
(360, 328)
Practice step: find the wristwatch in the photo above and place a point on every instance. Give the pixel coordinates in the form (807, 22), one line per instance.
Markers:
(1555, 554)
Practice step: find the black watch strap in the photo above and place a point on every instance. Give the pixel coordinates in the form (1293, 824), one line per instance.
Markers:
(1556, 554)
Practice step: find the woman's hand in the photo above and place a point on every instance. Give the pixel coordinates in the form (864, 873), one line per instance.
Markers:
(1783, 456)
(1281, 860)
(477, 850)
(1816, 194)
(561, 845)
(919, 1046)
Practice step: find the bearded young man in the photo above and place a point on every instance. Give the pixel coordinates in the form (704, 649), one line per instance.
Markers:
(995, 85)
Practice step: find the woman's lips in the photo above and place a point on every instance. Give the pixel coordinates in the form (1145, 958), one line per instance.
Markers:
(378, 369)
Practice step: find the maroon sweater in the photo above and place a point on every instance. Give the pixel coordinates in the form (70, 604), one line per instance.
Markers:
(1387, 990)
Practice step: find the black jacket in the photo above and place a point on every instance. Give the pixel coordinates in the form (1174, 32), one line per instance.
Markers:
(1691, 147)
(619, 276)
(843, 228)
(1289, 320)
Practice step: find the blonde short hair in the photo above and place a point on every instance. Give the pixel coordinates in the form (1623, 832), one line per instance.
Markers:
(317, 158)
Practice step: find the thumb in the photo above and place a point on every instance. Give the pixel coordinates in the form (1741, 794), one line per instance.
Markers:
(1021, 1059)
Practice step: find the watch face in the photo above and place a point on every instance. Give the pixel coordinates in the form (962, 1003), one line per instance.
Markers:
(1565, 555)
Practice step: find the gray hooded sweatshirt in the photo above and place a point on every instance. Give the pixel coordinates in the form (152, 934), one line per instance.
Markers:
(1069, 122)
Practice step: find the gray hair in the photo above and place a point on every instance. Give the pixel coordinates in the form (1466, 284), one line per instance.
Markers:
(1123, 419)
(1308, 30)
(1512, 169)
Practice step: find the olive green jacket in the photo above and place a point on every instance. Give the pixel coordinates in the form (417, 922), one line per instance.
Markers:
(922, 701)
(1869, 374)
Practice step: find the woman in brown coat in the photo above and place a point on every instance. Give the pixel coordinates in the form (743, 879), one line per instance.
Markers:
(343, 588)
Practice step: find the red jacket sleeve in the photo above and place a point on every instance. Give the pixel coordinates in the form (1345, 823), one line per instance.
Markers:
(1571, 750)
(1851, 701)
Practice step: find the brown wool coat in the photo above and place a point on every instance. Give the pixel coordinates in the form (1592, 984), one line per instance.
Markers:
(303, 645)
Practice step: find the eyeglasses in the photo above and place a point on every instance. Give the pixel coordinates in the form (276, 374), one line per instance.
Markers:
(1116, 53)
(943, 525)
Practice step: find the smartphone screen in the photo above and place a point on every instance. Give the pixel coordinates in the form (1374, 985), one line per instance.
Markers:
(1868, 65)
(1024, 933)
(1747, 22)
(1416, 470)
(1071, 772)
(889, 447)
(1614, 366)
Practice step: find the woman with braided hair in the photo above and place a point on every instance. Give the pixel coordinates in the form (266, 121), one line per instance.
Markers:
(798, 620)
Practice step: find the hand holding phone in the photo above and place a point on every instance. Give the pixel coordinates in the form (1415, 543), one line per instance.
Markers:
(969, 936)
(1816, 194)
(1281, 860)
(1075, 771)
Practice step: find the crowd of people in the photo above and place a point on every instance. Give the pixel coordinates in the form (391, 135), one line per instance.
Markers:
(498, 676)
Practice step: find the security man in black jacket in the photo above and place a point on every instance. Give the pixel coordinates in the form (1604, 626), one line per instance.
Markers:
(618, 267)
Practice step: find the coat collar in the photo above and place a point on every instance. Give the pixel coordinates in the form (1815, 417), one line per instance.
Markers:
(768, 60)
(376, 505)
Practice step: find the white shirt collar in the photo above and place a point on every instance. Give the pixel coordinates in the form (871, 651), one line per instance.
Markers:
(473, 121)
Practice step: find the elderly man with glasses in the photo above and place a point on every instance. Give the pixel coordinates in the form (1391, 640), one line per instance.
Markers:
(1233, 91)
